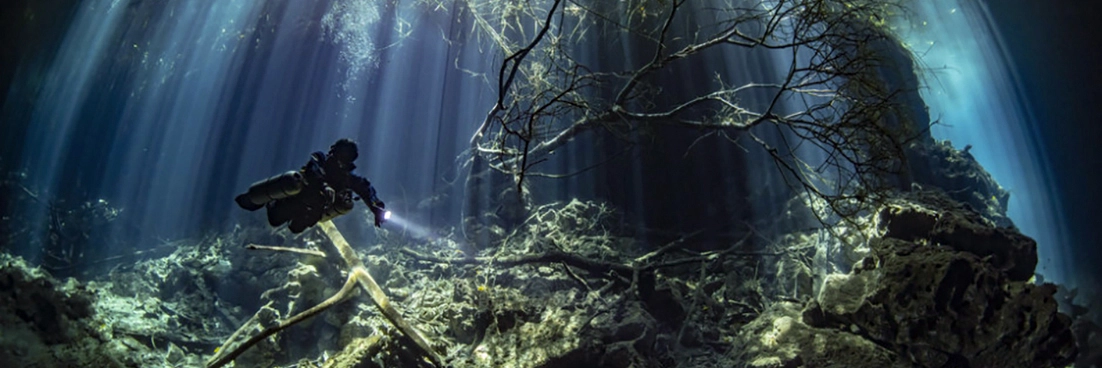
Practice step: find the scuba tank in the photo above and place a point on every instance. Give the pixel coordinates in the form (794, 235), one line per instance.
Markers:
(340, 204)
(277, 187)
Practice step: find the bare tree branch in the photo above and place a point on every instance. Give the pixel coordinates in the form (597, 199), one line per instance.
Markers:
(829, 97)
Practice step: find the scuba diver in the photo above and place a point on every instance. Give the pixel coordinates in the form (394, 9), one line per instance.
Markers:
(323, 189)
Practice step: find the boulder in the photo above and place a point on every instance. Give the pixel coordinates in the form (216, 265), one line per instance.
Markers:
(930, 217)
(940, 307)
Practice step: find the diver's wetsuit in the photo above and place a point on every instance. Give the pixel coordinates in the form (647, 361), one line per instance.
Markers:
(321, 190)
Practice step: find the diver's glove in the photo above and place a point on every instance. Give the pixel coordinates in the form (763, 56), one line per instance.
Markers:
(379, 209)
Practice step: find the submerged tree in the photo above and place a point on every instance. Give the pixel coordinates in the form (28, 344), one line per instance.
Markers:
(845, 102)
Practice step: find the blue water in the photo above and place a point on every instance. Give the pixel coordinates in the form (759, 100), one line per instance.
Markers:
(974, 93)
(170, 115)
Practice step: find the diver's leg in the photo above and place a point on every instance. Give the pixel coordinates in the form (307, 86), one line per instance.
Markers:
(304, 220)
(279, 212)
(297, 226)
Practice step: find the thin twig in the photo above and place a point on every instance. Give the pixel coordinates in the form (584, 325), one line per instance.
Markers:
(594, 266)
(666, 248)
(29, 192)
(311, 252)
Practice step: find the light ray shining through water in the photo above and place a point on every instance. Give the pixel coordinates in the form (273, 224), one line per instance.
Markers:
(168, 112)
(168, 109)
(972, 91)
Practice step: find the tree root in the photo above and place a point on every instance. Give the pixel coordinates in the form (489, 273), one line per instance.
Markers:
(357, 275)
(227, 356)
(594, 266)
(553, 256)
(356, 351)
(381, 301)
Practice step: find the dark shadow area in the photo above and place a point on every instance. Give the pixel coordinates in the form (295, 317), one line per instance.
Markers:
(1055, 50)
(30, 32)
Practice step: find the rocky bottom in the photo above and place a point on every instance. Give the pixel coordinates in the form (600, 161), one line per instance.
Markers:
(928, 284)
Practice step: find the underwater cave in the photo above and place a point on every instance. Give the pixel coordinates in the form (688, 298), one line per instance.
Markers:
(549, 183)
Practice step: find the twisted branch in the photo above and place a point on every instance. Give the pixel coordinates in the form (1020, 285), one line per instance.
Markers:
(357, 275)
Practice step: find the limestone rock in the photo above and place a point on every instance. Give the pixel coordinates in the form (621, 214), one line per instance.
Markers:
(933, 218)
(961, 177)
(940, 307)
(779, 338)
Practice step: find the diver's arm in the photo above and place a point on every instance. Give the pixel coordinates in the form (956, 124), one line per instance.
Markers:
(363, 188)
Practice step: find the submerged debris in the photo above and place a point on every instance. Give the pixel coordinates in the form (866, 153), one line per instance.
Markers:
(566, 289)
(168, 311)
